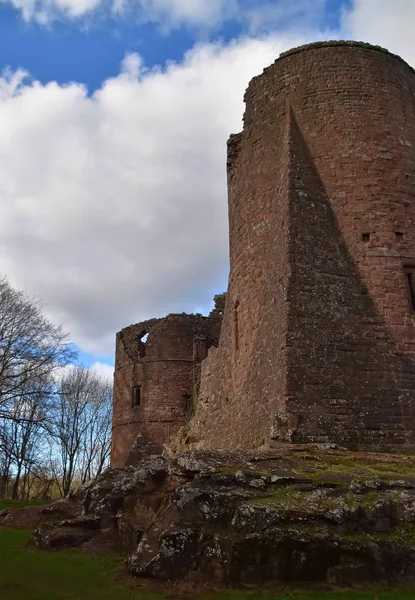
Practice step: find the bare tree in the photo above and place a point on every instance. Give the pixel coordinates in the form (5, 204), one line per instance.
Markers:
(6, 456)
(80, 427)
(22, 440)
(55, 422)
(97, 439)
(31, 349)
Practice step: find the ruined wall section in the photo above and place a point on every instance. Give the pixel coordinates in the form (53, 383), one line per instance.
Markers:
(206, 338)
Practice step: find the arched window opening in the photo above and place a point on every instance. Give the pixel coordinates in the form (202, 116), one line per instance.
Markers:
(142, 340)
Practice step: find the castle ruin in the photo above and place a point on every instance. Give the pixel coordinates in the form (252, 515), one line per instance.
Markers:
(316, 339)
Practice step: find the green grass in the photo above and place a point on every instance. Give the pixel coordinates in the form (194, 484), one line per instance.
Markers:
(318, 595)
(10, 504)
(28, 574)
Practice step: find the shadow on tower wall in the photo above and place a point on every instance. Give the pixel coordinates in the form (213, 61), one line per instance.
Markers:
(347, 382)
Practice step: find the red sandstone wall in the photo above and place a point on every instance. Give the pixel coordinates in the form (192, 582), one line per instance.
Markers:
(318, 335)
(243, 382)
(165, 375)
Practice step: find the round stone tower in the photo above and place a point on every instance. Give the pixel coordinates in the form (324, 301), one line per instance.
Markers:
(152, 384)
(318, 337)
(157, 366)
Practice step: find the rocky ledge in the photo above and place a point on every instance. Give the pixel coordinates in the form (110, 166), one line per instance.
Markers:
(302, 514)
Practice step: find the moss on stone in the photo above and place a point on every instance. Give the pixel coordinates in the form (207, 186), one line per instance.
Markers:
(355, 466)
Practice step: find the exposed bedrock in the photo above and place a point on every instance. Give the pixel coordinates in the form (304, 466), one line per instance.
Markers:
(305, 514)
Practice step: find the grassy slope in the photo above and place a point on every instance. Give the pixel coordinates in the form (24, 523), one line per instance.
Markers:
(27, 574)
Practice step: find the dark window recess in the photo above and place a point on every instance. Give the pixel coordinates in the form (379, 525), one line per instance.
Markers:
(410, 280)
(136, 396)
(212, 342)
(366, 237)
(399, 235)
(187, 401)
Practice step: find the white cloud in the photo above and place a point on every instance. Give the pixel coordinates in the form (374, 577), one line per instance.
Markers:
(168, 13)
(45, 11)
(283, 14)
(382, 22)
(113, 207)
(198, 13)
(103, 370)
(10, 82)
(201, 15)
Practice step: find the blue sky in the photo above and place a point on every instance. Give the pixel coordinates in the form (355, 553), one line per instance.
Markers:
(65, 52)
(114, 116)
(91, 51)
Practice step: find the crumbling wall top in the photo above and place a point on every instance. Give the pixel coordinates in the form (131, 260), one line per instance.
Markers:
(219, 308)
(133, 337)
(346, 43)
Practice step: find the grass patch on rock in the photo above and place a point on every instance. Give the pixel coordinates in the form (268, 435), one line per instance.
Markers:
(337, 466)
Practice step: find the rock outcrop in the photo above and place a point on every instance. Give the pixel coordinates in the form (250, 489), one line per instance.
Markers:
(304, 514)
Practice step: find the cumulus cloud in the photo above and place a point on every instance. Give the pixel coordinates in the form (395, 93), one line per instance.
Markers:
(382, 22)
(113, 206)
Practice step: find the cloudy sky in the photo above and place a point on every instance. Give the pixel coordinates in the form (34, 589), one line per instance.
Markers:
(114, 116)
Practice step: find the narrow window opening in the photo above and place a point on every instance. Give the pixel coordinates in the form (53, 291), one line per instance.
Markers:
(410, 280)
(366, 237)
(188, 404)
(399, 235)
(136, 396)
(142, 340)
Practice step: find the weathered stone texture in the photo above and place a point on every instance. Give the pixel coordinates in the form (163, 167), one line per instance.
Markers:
(309, 515)
(318, 338)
